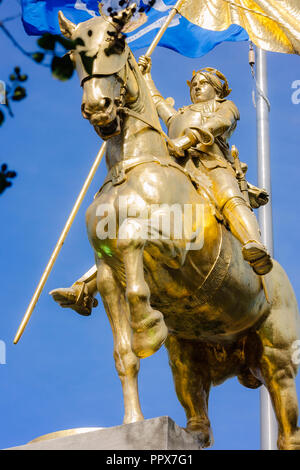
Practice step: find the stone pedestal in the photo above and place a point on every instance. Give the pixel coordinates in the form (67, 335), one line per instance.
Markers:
(153, 434)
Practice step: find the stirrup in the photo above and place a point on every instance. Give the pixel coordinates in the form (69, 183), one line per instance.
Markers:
(76, 298)
(258, 257)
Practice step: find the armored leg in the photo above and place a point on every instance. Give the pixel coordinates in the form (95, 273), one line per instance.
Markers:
(80, 296)
(240, 218)
(243, 224)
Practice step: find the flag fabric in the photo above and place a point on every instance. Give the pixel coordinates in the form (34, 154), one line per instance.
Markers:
(41, 16)
(273, 25)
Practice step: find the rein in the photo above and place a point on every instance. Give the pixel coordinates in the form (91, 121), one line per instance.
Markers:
(98, 75)
(135, 115)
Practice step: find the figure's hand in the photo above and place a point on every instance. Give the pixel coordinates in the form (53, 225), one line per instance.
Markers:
(176, 147)
(206, 137)
(199, 135)
(145, 64)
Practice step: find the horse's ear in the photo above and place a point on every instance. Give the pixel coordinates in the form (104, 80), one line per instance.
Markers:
(66, 26)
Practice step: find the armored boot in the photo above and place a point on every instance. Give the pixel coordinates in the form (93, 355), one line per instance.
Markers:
(80, 296)
(244, 227)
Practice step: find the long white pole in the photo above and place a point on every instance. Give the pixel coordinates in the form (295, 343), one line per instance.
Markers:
(268, 426)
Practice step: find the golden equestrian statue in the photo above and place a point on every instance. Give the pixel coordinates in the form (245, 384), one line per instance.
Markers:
(212, 295)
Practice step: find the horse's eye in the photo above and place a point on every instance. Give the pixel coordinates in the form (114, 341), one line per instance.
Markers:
(90, 33)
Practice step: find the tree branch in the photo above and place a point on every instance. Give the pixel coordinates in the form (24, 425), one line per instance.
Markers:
(10, 18)
(13, 40)
(16, 44)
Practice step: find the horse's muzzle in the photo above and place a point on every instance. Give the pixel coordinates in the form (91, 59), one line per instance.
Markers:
(111, 130)
(99, 113)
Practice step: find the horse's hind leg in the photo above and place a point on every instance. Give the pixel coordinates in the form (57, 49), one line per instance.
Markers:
(127, 364)
(277, 364)
(149, 331)
(192, 383)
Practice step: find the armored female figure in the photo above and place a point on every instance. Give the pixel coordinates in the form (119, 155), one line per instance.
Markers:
(200, 134)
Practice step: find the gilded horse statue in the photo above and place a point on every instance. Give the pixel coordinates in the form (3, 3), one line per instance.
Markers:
(195, 293)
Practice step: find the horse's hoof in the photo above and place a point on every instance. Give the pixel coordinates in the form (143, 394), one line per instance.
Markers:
(258, 257)
(247, 379)
(149, 336)
(291, 442)
(201, 432)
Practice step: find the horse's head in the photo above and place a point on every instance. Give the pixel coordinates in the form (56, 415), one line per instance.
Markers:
(100, 54)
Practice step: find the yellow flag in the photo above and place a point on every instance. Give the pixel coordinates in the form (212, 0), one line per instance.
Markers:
(273, 25)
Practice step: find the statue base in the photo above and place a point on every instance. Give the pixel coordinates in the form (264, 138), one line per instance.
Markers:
(152, 434)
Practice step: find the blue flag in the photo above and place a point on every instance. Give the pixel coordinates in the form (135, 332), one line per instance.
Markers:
(41, 16)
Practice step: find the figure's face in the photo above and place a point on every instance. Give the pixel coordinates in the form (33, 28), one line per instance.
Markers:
(201, 90)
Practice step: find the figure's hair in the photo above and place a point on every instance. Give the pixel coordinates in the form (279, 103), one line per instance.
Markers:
(215, 78)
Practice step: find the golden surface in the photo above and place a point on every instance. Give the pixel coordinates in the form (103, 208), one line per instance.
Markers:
(272, 25)
(91, 174)
(207, 304)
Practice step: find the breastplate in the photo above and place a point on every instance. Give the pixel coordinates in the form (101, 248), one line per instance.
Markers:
(194, 115)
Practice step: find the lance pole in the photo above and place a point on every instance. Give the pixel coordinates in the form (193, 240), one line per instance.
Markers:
(174, 10)
(81, 196)
(59, 244)
(268, 425)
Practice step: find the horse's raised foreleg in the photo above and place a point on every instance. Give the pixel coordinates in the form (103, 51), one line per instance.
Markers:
(127, 364)
(149, 330)
(192, 382)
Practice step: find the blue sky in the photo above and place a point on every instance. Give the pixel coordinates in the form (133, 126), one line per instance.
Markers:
(61, 374)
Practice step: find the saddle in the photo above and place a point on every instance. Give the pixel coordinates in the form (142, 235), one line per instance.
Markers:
(255, 196)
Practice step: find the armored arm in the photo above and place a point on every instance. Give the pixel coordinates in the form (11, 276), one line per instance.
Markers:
(164, 109)
(221, 123)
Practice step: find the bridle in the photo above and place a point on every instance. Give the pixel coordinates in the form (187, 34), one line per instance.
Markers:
(120, 101)
(99, 75)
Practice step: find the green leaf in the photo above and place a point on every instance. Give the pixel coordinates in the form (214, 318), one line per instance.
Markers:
(4, 177)
(23, 78)
(38, 57)
(47, 42)
(68, 44)
(2, 117)
(12, 77)
(62, 67)
(19, 93)
(11, 174)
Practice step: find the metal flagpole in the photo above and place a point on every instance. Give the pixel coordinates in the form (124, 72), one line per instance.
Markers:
(268, 426)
